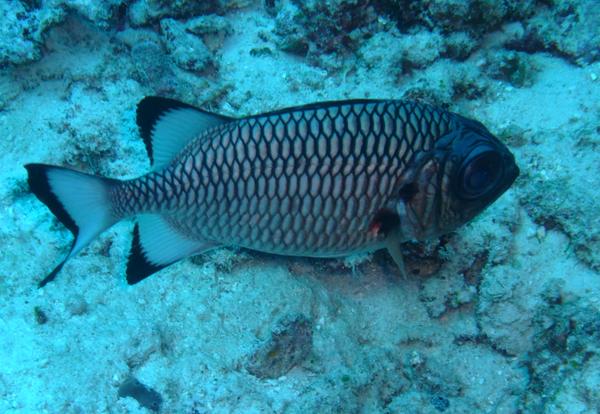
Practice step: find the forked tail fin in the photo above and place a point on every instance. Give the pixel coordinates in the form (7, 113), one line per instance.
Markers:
(80, 201)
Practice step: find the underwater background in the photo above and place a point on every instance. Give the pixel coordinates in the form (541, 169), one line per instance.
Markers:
(501, 316)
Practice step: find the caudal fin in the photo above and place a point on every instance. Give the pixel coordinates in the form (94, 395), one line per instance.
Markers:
(80, 201)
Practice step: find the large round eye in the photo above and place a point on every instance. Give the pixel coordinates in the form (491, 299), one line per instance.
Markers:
(480, 174)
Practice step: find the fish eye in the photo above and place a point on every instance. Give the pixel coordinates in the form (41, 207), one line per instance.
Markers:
(480, 174)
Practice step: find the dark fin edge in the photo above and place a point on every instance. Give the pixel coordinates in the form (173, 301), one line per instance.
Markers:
(52, 275)
(38, 183)
(138, 267)
(151, 108)
(319, 105)
(39, 186)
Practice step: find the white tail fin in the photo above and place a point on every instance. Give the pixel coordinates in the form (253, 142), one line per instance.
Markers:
(80, 201)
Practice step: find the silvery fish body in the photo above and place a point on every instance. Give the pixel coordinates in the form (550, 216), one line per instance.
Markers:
(322, 180)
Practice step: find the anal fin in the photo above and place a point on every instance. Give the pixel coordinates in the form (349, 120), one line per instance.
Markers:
(157, 244)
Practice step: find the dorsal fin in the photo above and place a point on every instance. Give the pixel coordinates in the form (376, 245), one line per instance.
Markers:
(167, 125)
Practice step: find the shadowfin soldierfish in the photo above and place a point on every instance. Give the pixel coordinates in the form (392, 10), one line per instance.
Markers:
(321, 180)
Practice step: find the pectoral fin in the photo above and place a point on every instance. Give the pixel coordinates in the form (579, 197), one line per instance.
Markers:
(385, 224)
(393, 247)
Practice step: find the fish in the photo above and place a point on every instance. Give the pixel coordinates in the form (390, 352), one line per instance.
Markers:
(327, 179)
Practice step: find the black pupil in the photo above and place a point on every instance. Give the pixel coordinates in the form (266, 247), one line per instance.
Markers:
(479, 178)
(481, 173)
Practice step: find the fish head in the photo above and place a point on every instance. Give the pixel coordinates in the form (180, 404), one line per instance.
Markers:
(468, 170)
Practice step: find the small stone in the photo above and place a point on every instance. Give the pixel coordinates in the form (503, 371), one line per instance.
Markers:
(440, 403)
(416, 359)
(540, 233)
(517, 68)
(150, 63)
(459, 45)
(289, 345)
(77, 306)
(261, 52)
(40, 316)
(144, 395)
(187, 50)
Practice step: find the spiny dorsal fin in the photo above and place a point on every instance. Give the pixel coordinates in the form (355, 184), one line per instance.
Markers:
(167, 125)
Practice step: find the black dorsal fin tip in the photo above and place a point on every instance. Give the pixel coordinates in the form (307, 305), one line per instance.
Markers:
(138, 266)
(149, 110)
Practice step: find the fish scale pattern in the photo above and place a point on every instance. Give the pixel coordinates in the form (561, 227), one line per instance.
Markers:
(302, 181)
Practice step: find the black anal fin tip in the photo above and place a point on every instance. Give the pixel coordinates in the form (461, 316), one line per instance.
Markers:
(138, 267)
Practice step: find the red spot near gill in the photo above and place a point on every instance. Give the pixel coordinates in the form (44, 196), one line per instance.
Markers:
(383, 223)
(374, 228)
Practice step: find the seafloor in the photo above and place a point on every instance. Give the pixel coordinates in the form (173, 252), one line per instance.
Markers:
(502, 316)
